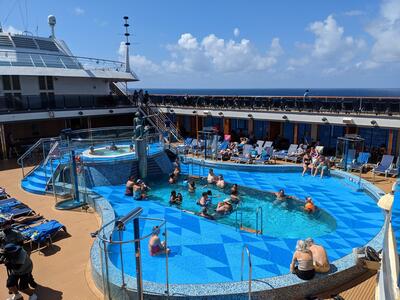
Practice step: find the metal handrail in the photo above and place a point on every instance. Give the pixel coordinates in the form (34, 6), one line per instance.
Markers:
(259, 216)
(109, 240)
(40, 142)
(78, 62)
(246, 249)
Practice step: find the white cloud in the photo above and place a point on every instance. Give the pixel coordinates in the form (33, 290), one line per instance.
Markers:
(354, 13)
(386, 32)
(12, 30)
(188, 42)
(330, 41)
(140, 64)
(79, 11)
(236, 32)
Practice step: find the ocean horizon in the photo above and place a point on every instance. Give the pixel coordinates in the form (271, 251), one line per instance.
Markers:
(353, 92)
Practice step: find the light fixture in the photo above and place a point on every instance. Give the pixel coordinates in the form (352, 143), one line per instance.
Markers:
(221, 113)
(324, 120)
(206, 112)
(195, 111)
(250, 115)
(374, 123)
(110, 111)
(51, 114)
(284, 117)
(80, 113)
(171, 110)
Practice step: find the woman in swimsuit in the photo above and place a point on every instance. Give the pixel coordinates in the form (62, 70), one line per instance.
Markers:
(306, 163)
(156, 246)
(129, 186)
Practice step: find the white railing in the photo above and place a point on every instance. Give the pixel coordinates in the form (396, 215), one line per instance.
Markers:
(10, 58)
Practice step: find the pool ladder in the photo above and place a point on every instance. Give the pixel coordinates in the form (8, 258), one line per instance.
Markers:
(246, 250)
(259, 219)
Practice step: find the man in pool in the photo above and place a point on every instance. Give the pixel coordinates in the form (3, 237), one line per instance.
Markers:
(203, 200)
(113, 147)
(281, 196)
(320, 258)
(91, 150)
(204, 213)
(224, 207)
(131, 148)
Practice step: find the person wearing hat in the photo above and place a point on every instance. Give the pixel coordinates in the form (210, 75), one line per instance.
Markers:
(9, 235)
(19, 269)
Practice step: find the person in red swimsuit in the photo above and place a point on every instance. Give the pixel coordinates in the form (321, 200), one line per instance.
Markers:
(156, 246)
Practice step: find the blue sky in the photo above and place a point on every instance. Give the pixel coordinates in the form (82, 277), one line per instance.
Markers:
(231, 44)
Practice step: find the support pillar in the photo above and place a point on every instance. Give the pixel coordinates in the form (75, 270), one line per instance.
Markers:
(250, 126)
(314, 132)
(3, 143)
(141, 154)
(227, 126)
(390, 142)
(295, 133)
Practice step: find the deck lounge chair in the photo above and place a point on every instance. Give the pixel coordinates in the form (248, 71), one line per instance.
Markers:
(384, 165)
(284, 153)
(43, 232)
(244, 157)
(361, 161)
(265, 157)
(186, 144)
(394, 168)
(16, 211)
(345, 162)
(267, 144)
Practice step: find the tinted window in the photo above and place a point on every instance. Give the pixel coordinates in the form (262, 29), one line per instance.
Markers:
(15, 82)
(49, 80)
(42, 83)
(6, 83)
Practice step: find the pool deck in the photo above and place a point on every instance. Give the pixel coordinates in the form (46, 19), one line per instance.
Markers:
(49, 268)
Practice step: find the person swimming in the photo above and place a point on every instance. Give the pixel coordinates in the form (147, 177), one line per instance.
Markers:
(113, 147)
(191, 186)
(211, 177)
(171, 179)
(203, 200)
(172, 197)
(309, 206)
(221, 182)
(91, 150)
(224, 207)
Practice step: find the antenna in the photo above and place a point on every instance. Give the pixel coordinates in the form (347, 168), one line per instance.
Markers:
(52, 22)
(127, 43)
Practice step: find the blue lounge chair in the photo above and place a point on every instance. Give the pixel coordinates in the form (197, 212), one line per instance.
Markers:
(394, 168)
(265, 156)
(186, 144)
(284, 153)
(245, 156)
(42, 232)
(361, 161)
(9, 202)
(16, 211)
(384, 166)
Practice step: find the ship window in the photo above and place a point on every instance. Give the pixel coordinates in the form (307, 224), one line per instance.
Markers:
(42, 83)
(49, 81)
(15, 82)
(46, 83)
(11, 83)
(6, 83)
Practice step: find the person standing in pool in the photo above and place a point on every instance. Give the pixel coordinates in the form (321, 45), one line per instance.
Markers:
(191, 186)
(224, 207)
(211, 177)
(235, 194)
(309, 206)
(129, 186)
(205, 214)
(281, 196)
(156, 246)
(221, 182)
(203, 200)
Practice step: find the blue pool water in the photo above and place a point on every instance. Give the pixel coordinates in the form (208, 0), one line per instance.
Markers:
(279, 219)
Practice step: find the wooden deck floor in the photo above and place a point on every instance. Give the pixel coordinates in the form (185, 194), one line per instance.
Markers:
(363, 291)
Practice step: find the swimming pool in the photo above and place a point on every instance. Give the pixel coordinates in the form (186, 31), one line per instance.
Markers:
(103, 152)
(208, 252)
(287, 220)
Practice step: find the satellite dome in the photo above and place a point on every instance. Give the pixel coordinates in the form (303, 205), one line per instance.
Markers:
(52, 20)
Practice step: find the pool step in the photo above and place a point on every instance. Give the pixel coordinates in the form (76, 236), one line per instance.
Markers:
(250, 230)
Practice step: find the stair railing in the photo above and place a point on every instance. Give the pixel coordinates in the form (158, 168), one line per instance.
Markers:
(38, 147)
(259, 217)
(247, 251)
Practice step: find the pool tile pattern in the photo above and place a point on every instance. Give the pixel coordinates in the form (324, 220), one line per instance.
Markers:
(204, 251)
